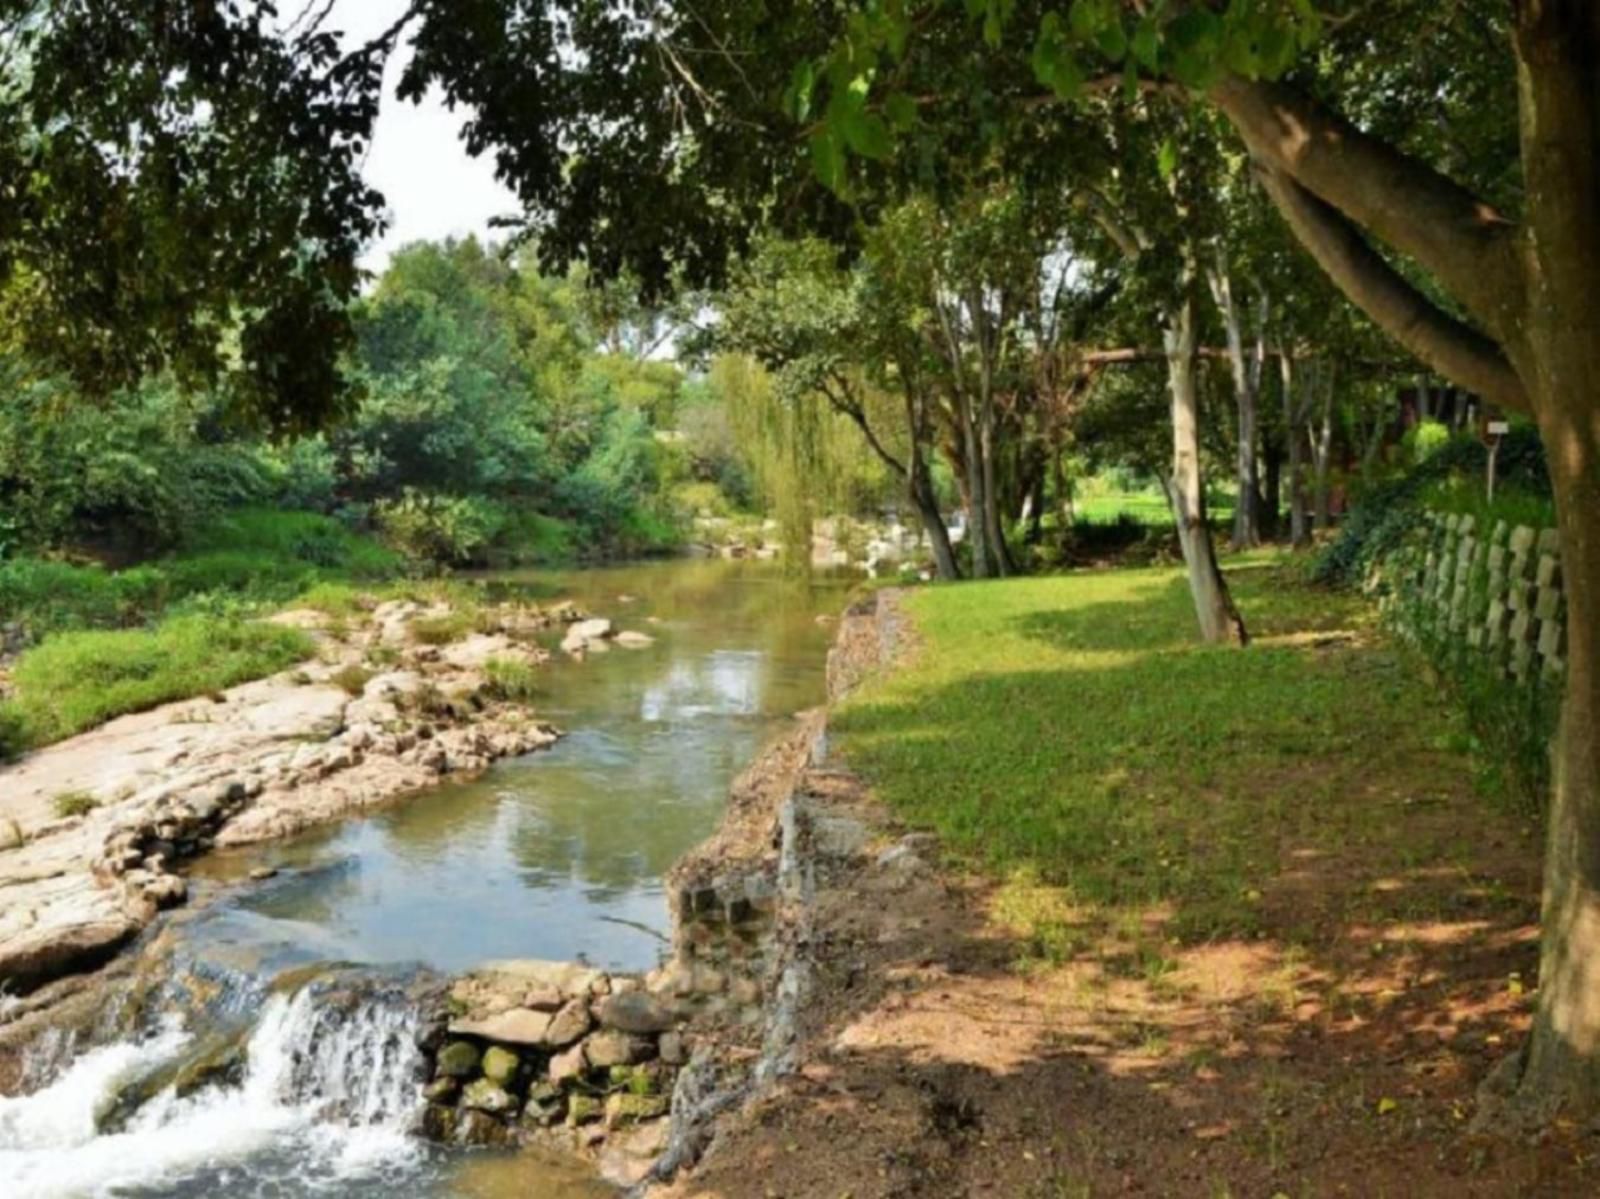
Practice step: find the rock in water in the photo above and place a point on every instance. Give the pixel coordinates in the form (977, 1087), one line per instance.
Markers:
(519, 1026)
(570, 1064)
(570, 1023)
(617, 1049)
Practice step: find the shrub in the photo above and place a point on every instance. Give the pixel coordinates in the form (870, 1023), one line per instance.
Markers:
(1510, 721)
(74, 803)
(336, 599)
(440, 530)
(442, 630)
(1385, 513)
(74, 681)
(511, 680)
(352, 680)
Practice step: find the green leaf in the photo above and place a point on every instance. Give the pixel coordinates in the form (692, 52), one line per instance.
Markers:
(1146, 44)
(1196, 30)
(867, 135)
(802, 85)
(901, 110)
(1068, 80)
(1167, 159)
(828, 159)
(1112, 41)
(1083, 18)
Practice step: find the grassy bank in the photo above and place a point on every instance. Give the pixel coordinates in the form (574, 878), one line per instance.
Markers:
(75, 681)
(253, 557)
(108, 642)
(1088, 749)
(1245, 910)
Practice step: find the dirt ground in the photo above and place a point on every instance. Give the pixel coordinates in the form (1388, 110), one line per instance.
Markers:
(1336, 1052)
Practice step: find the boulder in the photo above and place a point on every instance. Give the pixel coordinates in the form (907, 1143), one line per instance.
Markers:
(484, 1095)
(500, 1065)
(583, 1109)
(625, 1108)
(635, 1012)
(480, 1128)
(568, 1065)
(628, 1156)
(672, 1049)
(441, 1090)
(518, 1026)
(459, 1059)
(615, 1048)
(569, 1024)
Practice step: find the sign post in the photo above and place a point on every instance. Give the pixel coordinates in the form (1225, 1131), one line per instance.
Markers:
(1495, 430)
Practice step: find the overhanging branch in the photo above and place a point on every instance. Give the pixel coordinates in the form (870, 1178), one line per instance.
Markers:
(1456, 237)
(1455, 350)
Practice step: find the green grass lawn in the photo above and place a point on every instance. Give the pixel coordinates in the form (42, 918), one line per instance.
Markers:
(1098, 506)
(74, 681)
(1070, 734)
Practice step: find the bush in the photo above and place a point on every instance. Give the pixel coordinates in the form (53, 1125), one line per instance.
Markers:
(511, 680)
(352, 680)
(1384, 514)
(74, 681)
(440, 530)
(1510, 721)
(74, 803)
(50, 596)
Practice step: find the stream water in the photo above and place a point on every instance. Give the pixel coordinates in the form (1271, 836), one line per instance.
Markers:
(278, 1056)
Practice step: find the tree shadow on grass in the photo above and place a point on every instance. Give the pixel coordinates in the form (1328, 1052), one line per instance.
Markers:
(1333, 1048)
(1251, 911)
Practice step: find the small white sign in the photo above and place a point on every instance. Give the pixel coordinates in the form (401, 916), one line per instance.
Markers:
(1499, 428)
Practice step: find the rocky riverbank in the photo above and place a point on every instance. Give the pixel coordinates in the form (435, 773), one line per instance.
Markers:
(93, 829)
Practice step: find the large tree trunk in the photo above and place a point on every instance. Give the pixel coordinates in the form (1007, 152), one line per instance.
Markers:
(927, 505)
(1246, 512)
(1557, 42)
(1271, 487)
(1293, 422)
(1219, 619)
(1534, 291)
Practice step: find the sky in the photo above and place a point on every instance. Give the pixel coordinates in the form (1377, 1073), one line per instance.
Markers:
(433, 187)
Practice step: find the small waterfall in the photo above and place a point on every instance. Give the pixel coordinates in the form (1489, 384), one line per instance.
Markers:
(319, 1094)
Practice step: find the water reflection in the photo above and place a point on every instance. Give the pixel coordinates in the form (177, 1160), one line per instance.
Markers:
(560, 854)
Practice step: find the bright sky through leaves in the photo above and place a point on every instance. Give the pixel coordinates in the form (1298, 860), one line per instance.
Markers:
(434, 188)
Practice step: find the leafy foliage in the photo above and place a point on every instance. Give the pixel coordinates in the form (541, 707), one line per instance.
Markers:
(1387, 511)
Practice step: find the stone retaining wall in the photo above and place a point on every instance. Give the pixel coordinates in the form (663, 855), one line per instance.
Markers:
(1497, 589)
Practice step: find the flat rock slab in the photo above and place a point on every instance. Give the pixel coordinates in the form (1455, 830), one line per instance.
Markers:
(272, 758)
(519, 1026)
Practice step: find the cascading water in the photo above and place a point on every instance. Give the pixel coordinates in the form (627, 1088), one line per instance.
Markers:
(258, 1071)
(322, 1099)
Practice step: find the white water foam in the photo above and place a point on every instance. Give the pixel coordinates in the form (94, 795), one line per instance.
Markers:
(327, 1096)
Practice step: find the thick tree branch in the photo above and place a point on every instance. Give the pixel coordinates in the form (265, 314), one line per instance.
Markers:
(1455, 350)
(1460, 240)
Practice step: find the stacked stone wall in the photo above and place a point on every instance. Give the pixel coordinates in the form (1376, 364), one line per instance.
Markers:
(1497, 589)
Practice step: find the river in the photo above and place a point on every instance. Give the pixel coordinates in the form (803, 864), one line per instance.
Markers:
(255, 1072)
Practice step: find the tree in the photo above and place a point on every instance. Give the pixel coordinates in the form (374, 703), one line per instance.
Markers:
(1508, 312)
(180, 192)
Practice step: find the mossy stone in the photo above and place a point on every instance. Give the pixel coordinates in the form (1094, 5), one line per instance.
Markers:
(459, 1059)
(500, 1065)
